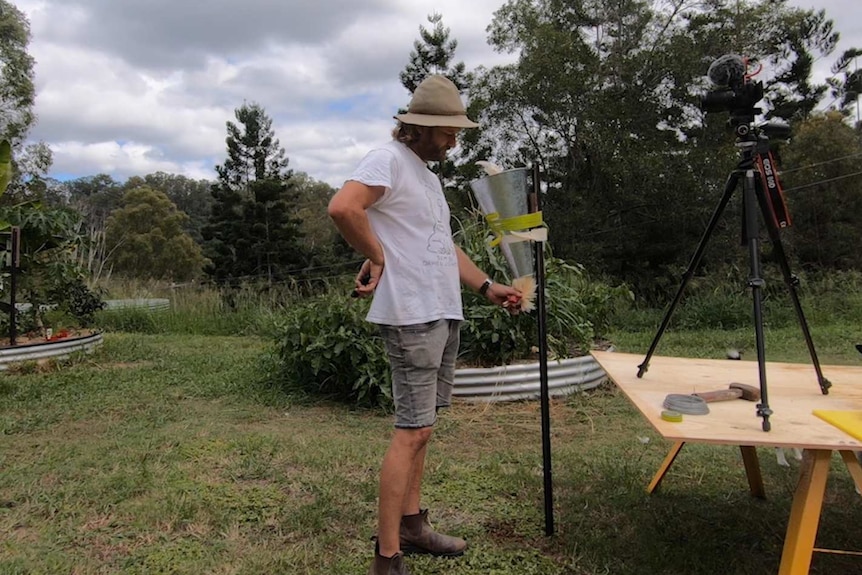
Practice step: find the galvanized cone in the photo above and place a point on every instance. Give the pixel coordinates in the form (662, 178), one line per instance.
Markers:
(505, 195)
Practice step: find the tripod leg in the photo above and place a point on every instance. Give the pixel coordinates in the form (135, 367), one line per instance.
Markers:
(692, 266)
(756, 283)
(792, 283)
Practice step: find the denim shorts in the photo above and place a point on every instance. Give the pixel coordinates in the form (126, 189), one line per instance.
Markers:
(422, 361)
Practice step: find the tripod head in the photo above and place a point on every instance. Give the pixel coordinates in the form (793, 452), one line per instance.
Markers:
(756, 155)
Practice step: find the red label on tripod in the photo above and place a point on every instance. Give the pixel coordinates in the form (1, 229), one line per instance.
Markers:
(772, 186)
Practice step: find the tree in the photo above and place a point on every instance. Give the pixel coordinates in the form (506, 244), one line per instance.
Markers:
(17, 96)
(145, 238)
(591, 100)
(605, 98)
(433, 54)
(94, 197)
(17, 93)
(253, 231)
(323, 243)
(846, 90)
(825, 193)
(795, 34)
(191, 196)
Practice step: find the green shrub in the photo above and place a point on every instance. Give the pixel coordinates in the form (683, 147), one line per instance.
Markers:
(490, 336)
(578, 311)
(77, 299)
(327, 349)
(578, 308)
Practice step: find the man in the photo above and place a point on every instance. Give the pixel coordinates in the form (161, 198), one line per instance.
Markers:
(393, 211)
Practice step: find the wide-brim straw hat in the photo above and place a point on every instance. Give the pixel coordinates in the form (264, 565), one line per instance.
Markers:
(436, 102)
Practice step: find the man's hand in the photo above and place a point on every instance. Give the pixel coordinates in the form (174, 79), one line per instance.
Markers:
(505, 296)
(367, 278)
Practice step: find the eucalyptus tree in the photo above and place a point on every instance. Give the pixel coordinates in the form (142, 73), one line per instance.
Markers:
(146, 238)
(189, 195)
(590, 100)
(253, 232)
(323, 243)
(94, 198)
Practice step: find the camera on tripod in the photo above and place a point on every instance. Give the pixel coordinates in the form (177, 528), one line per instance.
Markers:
(735, 92)
(761, 190)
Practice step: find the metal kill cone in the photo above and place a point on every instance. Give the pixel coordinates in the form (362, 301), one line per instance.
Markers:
(505, 193)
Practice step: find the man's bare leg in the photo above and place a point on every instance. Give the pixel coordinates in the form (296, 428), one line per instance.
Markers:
(398, 478)
(414, 488)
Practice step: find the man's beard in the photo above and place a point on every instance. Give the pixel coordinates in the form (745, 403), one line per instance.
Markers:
(429, 152)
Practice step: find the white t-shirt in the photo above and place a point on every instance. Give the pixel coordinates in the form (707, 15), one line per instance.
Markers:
(420, 281)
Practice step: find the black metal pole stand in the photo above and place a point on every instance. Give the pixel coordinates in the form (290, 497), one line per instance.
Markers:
(14, 261)
(544, 392)
(754, 197)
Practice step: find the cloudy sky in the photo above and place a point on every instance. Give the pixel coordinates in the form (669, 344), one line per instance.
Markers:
(130, 87)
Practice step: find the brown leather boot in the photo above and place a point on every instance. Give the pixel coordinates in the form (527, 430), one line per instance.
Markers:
(417, 536)
(388, 565)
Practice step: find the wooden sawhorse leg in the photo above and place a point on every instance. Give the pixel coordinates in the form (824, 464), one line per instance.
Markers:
(852, 463)
(752, 471)
(665, 465)
(805, 512)
(749, 459)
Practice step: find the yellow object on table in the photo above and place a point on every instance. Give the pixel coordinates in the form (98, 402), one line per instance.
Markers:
(850, 422)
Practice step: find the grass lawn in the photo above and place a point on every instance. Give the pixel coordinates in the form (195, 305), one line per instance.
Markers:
(165, 455)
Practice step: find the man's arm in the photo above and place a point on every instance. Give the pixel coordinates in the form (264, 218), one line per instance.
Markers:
(347, 210)
(474, 278)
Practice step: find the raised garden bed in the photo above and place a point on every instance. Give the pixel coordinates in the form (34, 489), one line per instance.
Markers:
(37, 349)
(522, 381)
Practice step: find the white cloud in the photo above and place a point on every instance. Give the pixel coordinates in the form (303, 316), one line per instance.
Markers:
(126, 87)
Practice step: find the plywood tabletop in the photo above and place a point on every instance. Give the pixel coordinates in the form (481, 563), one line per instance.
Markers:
(793, 394)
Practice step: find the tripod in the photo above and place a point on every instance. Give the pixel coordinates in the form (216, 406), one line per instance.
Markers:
(754, 163)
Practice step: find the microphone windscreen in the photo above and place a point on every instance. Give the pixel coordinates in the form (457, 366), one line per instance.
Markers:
(726, 70)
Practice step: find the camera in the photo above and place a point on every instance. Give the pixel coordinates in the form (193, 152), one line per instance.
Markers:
(739, 100)
(734, 93)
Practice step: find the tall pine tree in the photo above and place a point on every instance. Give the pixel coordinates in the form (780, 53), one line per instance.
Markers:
(433, 54)
(252, 233)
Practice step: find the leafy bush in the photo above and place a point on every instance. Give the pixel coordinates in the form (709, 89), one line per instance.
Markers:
(76, 298)
(48, 277)
(327, 349)
(578, 309)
